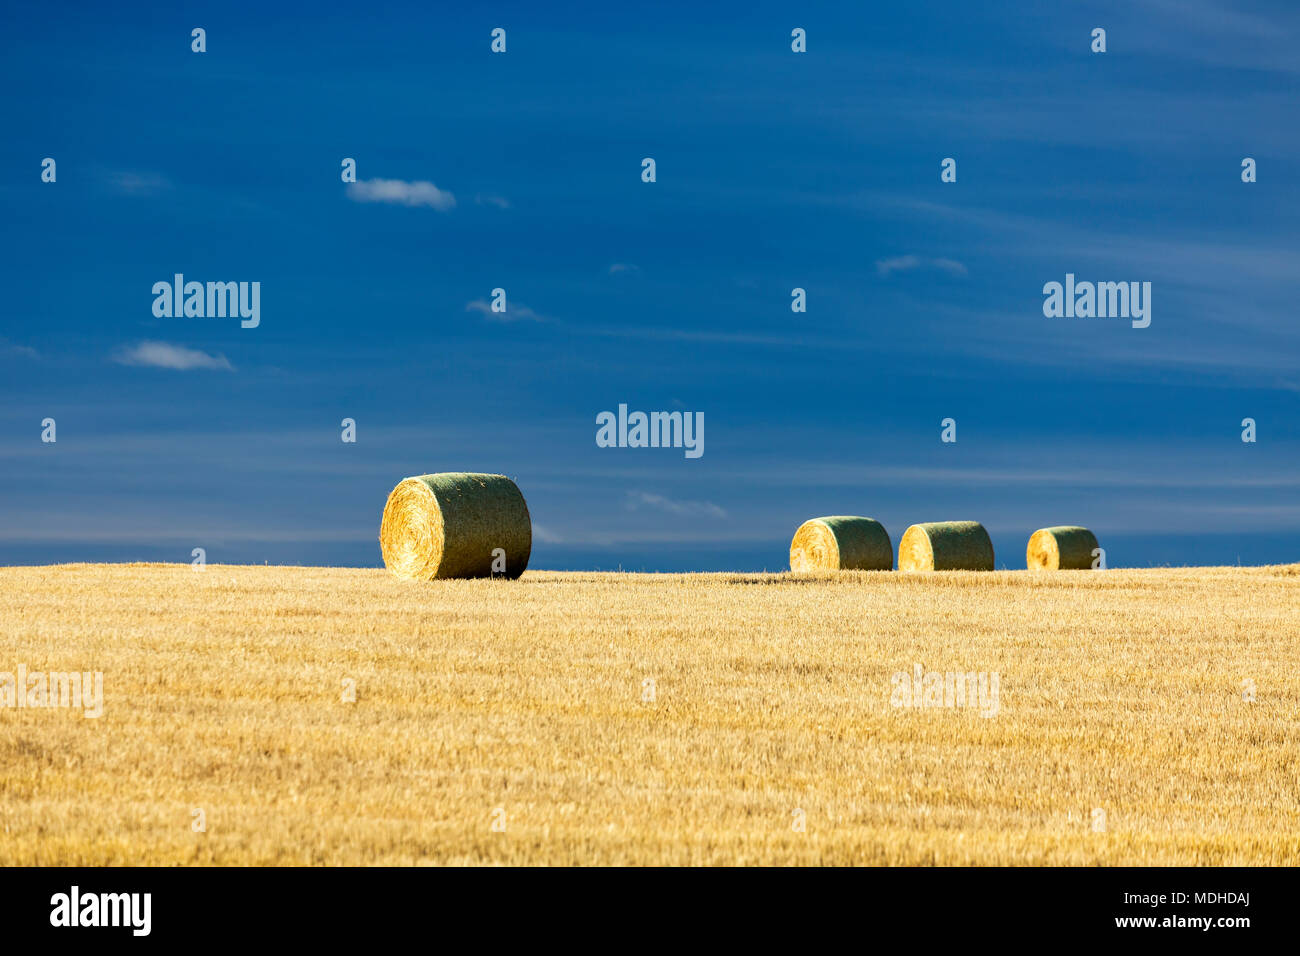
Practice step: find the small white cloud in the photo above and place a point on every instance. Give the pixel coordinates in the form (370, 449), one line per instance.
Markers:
(897, 264)
(620, 268)
(139, 184)
(499, 201)
(163, 355)
(10, 348)
(908, 263)
(951, 266)
(513, 313)
(419, 193)
(638, 499)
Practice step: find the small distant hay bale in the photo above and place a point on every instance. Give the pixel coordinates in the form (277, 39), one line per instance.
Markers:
(1064, 548)
(841, 543)
(946, 546)
(448, 526)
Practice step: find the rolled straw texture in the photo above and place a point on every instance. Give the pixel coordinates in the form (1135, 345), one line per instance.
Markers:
(449, 526)
(946, 546)
(1063, 548)
(841, 543)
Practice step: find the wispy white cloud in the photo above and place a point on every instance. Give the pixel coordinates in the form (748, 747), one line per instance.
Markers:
(689, 335)
(951, 266)
(910, 263)
(640, 499)
(139, 184)
(513, 312)
(620, 268)
(546, 535)
(164, 355)
(11, 348)
(401, 192)
(486, 200)
(1222, 34)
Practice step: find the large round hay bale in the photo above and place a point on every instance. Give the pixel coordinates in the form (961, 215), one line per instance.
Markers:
(1064, 548)
(841, 543)
(449, 526)
(946, 546)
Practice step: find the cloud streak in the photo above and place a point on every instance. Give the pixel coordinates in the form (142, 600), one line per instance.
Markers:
(513, 313)
(546, 535)
(139, 184)
(402, 193)
(12, 348)
(176, 357)
(911, 263)
(643, 499)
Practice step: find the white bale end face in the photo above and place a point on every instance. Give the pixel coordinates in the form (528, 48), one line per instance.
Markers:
(946, 546)
(456, 525)
(841, 543)
(1062, 548)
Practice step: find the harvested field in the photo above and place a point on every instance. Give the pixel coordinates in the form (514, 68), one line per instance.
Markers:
(653, 719)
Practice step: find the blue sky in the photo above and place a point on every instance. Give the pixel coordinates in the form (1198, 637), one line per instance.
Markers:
(775, 170)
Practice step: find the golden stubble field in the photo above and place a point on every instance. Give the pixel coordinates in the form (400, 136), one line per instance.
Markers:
(508, 722)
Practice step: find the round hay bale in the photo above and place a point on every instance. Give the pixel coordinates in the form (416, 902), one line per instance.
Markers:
(841, 543)
(1063, 548)
(946, 546)
(449, 525)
